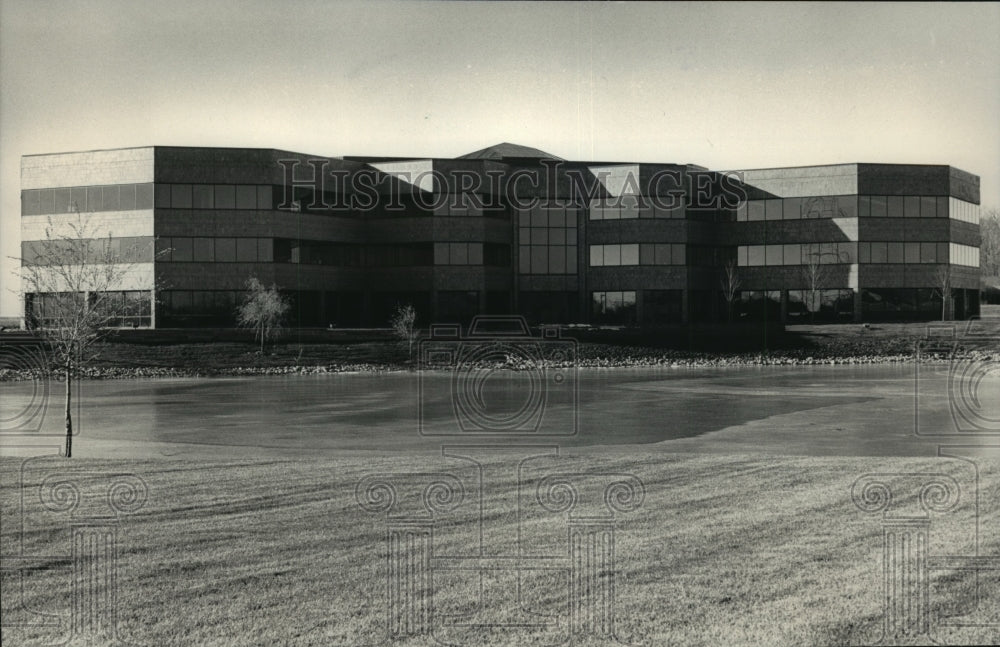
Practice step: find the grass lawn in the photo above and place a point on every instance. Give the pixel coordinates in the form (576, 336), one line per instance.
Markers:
(725, 550)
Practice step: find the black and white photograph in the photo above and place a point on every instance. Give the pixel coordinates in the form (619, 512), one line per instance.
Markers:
(363, 324)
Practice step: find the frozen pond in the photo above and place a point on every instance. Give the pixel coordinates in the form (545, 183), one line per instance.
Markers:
(821, 410)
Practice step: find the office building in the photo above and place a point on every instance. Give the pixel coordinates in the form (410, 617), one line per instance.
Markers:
(512, 229)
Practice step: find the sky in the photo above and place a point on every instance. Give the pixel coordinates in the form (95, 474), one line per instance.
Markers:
(726, 86)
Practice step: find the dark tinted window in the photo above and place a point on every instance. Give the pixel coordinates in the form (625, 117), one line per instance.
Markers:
(112, 198)
(127, 197)
(62, 197)
(202, 196)
(143, 196)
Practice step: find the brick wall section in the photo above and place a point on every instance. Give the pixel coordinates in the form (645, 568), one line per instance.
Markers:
(904, 229)
(965, 233)
(911, 179)
(263, 224)
(236, 165)
(601, 232)
(637, 278)
(549, 282)
(791, 277)
(915, 276)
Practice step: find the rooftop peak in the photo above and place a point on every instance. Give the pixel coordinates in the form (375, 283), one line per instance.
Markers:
(506, 149)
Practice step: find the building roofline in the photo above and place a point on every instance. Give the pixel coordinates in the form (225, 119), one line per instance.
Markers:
(92, 150)
(785, 168)
(781, 168)
(173, 147)
(858, 165)
(507, 160)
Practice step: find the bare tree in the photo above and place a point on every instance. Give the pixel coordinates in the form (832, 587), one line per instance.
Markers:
(944, 287)
(989, 227)
(815, 276)
(75, 290)
(730, 286)
(989, 255)
(262, 311)
(403, 324)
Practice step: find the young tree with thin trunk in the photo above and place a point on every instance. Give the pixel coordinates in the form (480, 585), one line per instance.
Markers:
(262, 311)
(75, 286)
(403, 324)
(814, 273)
(730, 287)
(944, 288)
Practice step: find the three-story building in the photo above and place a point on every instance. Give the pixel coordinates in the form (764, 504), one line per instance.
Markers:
(511, 229)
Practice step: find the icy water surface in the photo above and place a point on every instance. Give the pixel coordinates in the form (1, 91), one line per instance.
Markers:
(820, 410)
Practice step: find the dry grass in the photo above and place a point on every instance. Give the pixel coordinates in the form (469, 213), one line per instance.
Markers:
(733, 550)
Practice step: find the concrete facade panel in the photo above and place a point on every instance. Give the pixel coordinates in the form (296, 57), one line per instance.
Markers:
(116, 224)
(138, 276)
(839, 179)
(619, 179)
(418, 174)
(121, 166)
